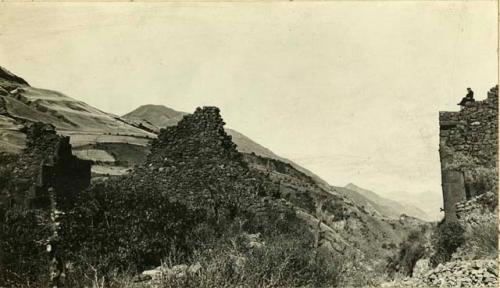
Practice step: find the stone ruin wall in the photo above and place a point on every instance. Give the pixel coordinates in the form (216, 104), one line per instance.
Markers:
(46, 168)
(64, 173)
(468, 146)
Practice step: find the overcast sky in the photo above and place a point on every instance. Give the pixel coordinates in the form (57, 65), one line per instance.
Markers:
(350, 90)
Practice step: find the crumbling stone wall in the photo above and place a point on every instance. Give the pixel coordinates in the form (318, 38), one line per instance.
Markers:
(65, 173)
(199, 165)
(46, 163)
(468, 150)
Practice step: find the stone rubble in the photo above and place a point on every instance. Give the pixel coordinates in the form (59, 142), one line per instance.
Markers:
(477, 273)
(480, 205)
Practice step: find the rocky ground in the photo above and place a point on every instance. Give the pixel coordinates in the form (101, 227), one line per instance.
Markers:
(475, 263)
(476, 273)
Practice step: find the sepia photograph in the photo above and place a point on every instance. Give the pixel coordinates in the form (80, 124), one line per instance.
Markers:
(249, 144)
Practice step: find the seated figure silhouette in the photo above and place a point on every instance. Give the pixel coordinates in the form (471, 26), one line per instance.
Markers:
(468, 98)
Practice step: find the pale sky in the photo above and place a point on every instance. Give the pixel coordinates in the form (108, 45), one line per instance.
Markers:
(349, 90)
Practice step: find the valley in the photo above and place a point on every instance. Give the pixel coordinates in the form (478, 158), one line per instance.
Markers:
(159, 182)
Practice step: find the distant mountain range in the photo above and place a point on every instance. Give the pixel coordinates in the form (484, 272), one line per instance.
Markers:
(383, 206)
(428, 201)
(154, 117)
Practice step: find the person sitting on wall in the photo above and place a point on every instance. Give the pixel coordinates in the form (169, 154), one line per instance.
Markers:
(468, 98)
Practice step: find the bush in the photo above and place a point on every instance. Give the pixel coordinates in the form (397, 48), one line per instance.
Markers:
(112, 229)
(410, 251)
(482, 240)
(284, 261)
(23, 232)
(23, 238)
(446, 239)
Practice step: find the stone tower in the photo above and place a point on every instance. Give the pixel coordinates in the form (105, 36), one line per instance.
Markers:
(468, 149)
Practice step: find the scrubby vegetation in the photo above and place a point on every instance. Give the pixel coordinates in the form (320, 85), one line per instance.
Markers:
(447, 237)
(116, 229)
(284, 261)
(410, 251)
(190, 202)
(112, 232)
(22, 233)
(481, 240)
(23, 257)
(439, 243)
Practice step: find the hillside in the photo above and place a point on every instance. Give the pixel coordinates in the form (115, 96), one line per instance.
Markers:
(429, 201)
(22, 103)
(183, 151)
(192, 165)
(155, 117)
(307, 193)
(114, 143)
(380, 205)
(95, 135)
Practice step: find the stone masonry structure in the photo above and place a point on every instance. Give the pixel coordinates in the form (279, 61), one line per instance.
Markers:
(199, 166)
(468, 149)
(46, 164)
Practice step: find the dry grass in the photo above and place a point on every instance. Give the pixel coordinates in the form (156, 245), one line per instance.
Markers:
(281, 263)
(481, 241)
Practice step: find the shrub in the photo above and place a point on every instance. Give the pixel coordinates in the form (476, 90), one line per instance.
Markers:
(112, 229)
(410, 251)
(447, 237)
(284, 261)
(23, 256)
(482, 240)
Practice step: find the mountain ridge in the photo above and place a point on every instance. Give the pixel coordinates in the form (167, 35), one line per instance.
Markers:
(385, 206)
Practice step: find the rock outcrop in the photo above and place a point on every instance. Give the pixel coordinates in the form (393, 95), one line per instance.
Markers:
(469, 151)
(6, 74)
